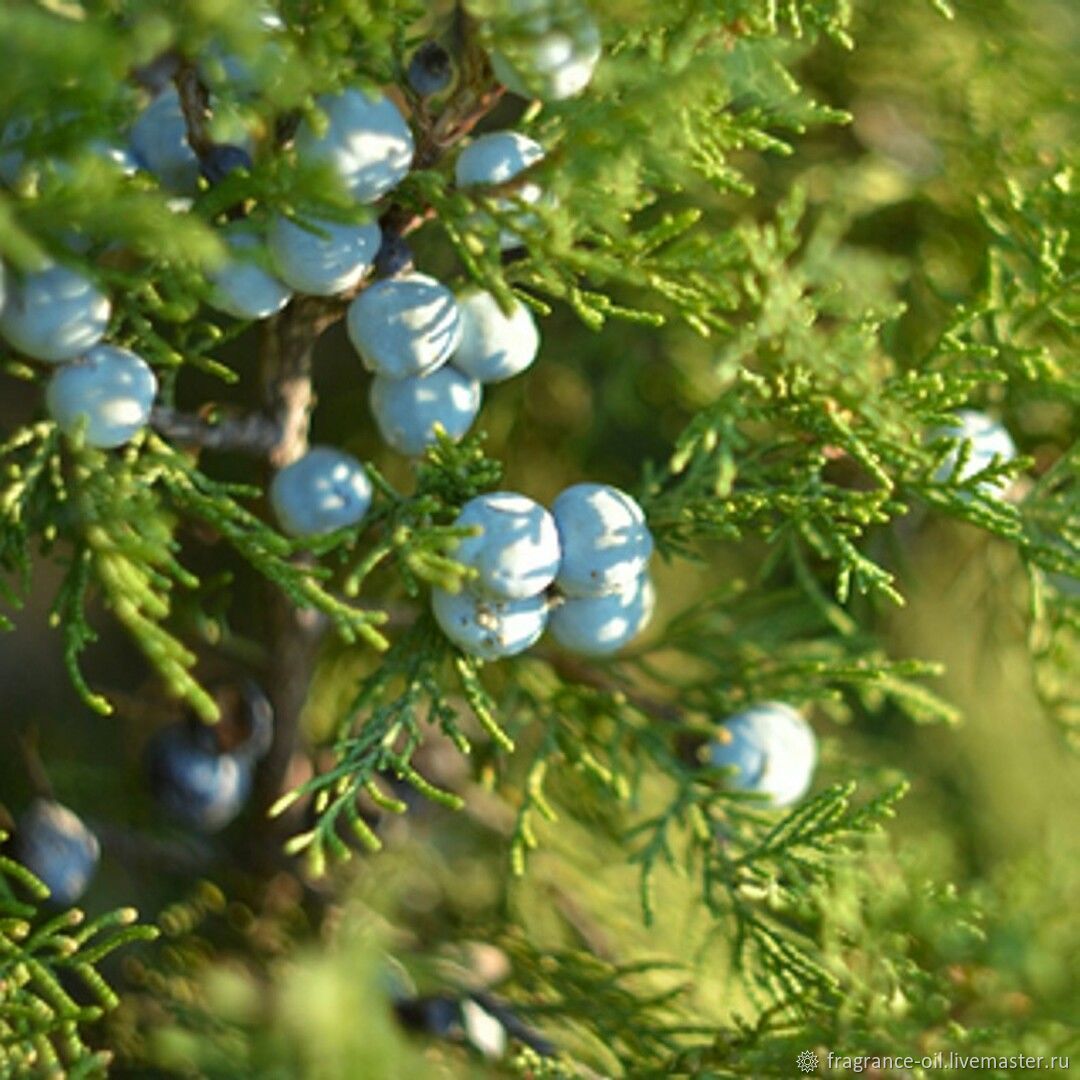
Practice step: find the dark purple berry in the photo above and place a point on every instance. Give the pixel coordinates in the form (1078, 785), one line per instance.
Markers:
(223, 159)
(438, 1014)
(394, 257)
(193, 780)
(430, 70)
(54, 844)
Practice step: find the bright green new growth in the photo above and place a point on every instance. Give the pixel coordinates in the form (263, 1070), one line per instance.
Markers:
(804, 438)
(42, 1017)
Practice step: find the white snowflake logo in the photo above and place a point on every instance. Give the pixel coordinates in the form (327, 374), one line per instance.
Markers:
(807, 1061)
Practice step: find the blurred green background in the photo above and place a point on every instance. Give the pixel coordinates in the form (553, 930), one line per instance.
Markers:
(938, 108)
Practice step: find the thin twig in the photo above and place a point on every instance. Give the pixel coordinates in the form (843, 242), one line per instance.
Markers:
(280, 431)
(252, 433)
(195, 103)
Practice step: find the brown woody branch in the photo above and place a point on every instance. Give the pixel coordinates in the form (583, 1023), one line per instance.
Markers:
(252, 433)
(280, 432)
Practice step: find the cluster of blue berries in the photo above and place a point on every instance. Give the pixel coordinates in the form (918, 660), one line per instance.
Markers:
(430, 352)
(580, 571)
(57, 316)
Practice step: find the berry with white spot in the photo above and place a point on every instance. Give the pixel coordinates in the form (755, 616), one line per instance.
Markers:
(403, 326)
(494, 345)
(327, 258)
(107, 394)
(324, 490)
(54, 314)
(407, 410)
(490, 629)
(606, 543)
(772, 750)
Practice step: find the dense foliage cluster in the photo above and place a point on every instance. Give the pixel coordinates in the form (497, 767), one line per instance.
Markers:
(310, 307)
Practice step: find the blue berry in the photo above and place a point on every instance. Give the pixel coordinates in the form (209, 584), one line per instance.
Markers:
(436, 1015)
(516, 554)
(408, 325)
(320, 492)
(496, 158)
(242, 288)
(988, 439)
(54, 314)
(17, 131)
(52, 842)
(257, 721)
(222, 159)
(107, 394)
(407, 410)
(772, 749)
(553, 66)
(194, 781)
(159, 140)
(244, 76)
(326, 259)
(366, 143)
(494, 346)
(605, 542)
(601, 625)
(430, 69)
(488, 628)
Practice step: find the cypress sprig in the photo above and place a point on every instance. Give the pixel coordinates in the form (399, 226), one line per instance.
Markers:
(41, 1023)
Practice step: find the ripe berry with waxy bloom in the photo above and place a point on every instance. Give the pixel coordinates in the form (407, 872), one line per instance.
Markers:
(324, 490)
(54, 314)
(407, 410)
(601, 625)
(325, 259)
(494, 346)
(194, 780)
(605, 541)
(403, 326)
(366, 143)
(242, 288)
(555, 64)
(516, 550)
(987, 439)
(772, 750)
(490, 629)
(107, 394)
(497, 158)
